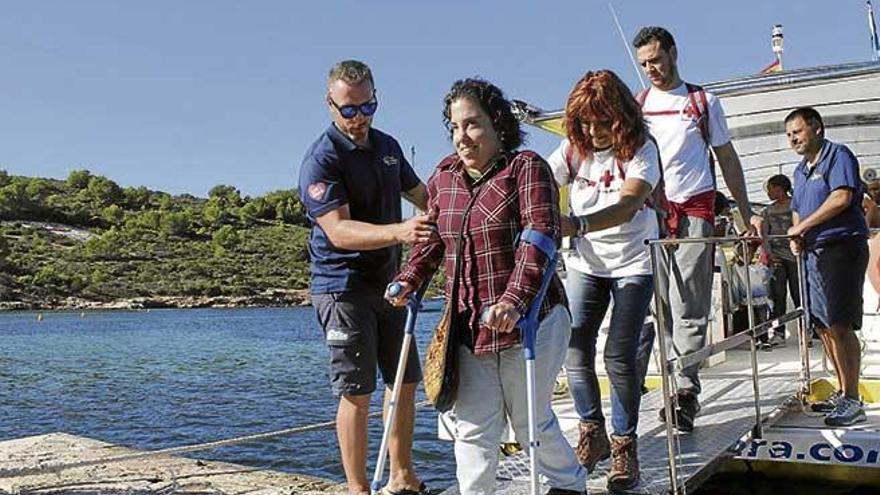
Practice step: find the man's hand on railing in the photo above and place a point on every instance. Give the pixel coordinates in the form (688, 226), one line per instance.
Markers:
(796, 243)
(756, 226)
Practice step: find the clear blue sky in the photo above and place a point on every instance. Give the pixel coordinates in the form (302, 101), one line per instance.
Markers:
(184, 95)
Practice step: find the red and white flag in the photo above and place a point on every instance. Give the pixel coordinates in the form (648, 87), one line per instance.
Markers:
(776, 66)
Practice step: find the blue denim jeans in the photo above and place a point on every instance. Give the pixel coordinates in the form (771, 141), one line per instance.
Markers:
(589, 297)
(643, 356)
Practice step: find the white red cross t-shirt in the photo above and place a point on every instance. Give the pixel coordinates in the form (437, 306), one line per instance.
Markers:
(594, 185)
(685, 157)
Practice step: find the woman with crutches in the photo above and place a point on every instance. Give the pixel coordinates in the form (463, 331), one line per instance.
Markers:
(482, 198)
(612, 166)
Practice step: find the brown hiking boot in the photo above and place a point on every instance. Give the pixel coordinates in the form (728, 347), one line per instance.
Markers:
(624, 473)
(593, 445)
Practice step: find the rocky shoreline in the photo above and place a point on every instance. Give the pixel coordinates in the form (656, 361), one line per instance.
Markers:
(102, 475)
(266, 299)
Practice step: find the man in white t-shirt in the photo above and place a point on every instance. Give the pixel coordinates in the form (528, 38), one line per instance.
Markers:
(687, 122)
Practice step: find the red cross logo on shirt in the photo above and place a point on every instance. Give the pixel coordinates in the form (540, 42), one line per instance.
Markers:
(606, 179)
(691, 112)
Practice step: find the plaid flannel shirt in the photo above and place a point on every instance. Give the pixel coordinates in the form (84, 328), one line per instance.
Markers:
(517, 193)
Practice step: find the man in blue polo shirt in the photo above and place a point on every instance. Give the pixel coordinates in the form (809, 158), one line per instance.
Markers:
(829, 227)
(351, 181)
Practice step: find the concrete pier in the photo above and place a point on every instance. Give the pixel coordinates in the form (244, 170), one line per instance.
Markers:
(165, 474)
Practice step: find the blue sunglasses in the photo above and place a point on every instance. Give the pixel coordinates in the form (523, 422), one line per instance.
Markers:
(350, 111)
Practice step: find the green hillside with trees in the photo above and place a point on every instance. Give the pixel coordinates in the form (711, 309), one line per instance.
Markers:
(88, 239)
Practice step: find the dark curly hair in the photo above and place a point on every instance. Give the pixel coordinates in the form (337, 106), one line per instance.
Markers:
(491, 99)
(780, 180)
(602, 96)
(654, 33)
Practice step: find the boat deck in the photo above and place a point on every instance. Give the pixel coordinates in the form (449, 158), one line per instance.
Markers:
(722, 427)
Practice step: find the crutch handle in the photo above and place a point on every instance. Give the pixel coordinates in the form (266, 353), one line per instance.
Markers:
(484, 317)
(394, 289)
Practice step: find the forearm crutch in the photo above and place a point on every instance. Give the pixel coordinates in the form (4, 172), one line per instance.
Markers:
(412, 310)
(528, 325)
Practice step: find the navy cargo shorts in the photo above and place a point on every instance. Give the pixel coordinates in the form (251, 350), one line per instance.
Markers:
(835, 281)
(363, 332)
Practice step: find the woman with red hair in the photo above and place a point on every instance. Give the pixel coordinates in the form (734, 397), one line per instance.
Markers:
(612, 166)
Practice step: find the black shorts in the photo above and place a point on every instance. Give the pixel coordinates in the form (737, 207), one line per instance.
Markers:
(835, 282)
(363, 331)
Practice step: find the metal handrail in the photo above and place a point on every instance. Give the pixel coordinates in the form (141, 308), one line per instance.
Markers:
(711, 240)
(677, 363)
(683, 362)
(664, 373)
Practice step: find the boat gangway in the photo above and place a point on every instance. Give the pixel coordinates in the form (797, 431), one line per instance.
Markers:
(754, 414)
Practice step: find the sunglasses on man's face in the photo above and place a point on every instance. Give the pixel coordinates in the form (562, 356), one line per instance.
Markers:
(350, 111)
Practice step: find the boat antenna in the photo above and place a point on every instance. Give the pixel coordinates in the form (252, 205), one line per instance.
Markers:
(875, 43)
(776, 40)
(626, 45)
(412, 163)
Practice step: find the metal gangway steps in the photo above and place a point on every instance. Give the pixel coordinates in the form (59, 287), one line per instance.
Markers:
(735, 407)
(727, 416)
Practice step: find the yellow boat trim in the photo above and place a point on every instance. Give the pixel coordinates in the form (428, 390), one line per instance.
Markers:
(801, 471)
(652, 382)
(822, 388)
(553, 125)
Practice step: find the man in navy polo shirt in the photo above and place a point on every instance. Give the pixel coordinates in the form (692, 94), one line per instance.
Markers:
(829, 227)
(351, 181)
